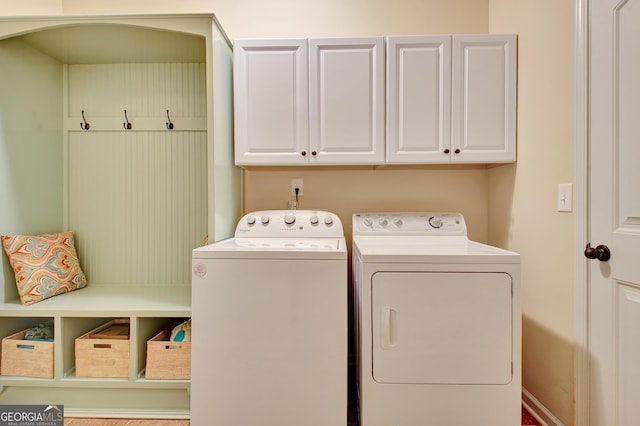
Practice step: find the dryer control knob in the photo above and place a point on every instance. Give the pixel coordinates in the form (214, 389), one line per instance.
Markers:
(383, 221)
(289, 218)
(264, 219)
(328, 220)
(397, 222)
(314, 220)
(367, 221)
(251, 220)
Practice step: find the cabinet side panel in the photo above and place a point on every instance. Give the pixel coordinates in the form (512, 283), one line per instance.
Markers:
(30, 147)
(225, 181)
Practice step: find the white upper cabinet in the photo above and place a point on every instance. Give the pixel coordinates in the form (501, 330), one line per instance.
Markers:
(418, 99)
(321, 107)
(451, 99)
(484, 99)
(346, 101)
(271, 102)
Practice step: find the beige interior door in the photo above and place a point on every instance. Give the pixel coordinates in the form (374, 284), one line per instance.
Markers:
(614, 213)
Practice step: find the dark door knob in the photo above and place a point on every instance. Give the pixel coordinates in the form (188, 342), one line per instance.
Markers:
(601, 252)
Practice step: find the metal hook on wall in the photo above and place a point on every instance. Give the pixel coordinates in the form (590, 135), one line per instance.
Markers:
(169, 123)
(84, 125)
(126, 124)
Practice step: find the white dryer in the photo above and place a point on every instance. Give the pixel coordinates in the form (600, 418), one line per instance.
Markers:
(437, 323)
(269, 314)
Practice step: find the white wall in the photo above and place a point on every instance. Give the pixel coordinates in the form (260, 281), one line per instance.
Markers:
(523, 196)
(30, 7)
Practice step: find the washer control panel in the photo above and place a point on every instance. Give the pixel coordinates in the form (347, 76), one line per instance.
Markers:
(409, 224)
(290, 223)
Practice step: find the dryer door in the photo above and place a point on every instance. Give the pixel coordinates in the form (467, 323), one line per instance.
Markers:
(442, 328)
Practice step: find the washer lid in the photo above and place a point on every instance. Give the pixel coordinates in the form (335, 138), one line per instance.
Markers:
(274, 248)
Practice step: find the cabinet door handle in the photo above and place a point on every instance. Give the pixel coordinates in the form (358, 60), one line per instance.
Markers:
(457, 151)
(313, 153)
(446, 151)
(303, 153)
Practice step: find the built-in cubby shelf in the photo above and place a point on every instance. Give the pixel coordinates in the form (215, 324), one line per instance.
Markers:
(138, 200)
(69, 324)
(148, 308)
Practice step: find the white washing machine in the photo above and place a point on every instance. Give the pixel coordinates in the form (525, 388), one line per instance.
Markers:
(269, 314)
(437, 323)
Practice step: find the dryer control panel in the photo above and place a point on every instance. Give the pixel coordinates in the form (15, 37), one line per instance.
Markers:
(420, 224)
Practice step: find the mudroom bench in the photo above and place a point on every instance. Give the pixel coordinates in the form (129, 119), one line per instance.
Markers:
(119, 129)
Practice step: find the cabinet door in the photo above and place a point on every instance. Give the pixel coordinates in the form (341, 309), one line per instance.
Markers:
(346, 101)
(484, 98)
(418, 99)
(271, 101)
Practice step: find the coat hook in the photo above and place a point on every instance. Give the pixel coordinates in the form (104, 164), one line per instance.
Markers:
(126, 124)
(85, 125)
(169, 123)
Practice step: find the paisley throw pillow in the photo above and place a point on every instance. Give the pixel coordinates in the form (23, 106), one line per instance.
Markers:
(44, 265)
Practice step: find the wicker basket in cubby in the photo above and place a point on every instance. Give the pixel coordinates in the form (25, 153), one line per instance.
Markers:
(27, 358)
(104, 351)
(168, 360)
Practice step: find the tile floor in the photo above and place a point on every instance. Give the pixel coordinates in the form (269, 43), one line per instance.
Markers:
(528, 419)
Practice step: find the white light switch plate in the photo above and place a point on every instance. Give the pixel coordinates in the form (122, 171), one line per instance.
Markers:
(565, 197)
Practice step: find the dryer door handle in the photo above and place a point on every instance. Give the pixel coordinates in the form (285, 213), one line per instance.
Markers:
(387, 327)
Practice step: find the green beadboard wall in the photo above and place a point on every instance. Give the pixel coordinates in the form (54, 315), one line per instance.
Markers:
(137, 198)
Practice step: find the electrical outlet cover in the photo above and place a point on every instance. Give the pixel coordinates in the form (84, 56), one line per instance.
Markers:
(296, 183)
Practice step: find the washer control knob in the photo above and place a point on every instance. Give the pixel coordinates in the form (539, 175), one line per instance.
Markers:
(383, 221)
(314, 219)
(397, 222)
(367, 221)
(264, 219)
(435, 221)
(328, 220)
(289, 218)
(251, 220)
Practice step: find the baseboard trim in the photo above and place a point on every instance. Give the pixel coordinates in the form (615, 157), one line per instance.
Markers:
(539, 411)
(126, 414)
